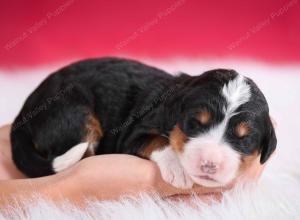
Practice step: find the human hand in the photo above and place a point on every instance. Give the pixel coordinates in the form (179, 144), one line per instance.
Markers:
(102, 177)
(111, 176)
(114, 175)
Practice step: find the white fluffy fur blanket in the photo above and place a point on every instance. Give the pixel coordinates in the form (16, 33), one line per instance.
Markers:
(277, 195)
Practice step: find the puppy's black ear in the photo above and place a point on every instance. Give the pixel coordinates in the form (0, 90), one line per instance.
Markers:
(269, 142)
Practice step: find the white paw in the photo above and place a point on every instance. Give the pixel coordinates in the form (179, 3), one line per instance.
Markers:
(171, 170)
(176, 176)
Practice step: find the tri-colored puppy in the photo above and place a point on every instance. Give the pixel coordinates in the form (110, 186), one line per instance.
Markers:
(202, 129)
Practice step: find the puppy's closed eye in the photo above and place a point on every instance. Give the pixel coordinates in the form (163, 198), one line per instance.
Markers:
(242, 129)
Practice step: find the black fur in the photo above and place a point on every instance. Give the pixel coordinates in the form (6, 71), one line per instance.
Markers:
(133, 102)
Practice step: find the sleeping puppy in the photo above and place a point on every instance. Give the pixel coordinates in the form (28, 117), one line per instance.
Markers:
(202, 129)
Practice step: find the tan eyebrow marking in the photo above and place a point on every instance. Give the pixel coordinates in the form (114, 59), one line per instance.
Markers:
(242, 129)
(204, 117)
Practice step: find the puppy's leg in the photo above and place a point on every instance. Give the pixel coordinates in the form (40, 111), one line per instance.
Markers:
(44, 144)
(87, 148)
(170, 168)
(157, 149)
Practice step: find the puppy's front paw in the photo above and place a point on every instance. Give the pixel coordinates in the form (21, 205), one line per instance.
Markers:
(175, 175)
(171, 170)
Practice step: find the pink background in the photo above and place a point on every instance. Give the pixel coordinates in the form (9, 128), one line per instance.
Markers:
(42, 32)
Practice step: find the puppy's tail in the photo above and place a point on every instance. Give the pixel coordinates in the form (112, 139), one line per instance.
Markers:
(70, 157)
(28, 160)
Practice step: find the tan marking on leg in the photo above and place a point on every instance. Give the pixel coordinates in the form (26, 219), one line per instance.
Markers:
(177, 139)
(154, 143)
(93, 133)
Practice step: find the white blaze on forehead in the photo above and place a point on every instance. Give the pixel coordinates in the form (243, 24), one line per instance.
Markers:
(236, 92)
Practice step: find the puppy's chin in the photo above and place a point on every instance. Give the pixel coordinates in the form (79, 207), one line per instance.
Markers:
(220, 180)
(208, 181)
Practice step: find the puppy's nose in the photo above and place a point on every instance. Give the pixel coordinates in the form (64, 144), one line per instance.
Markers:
(208, 167)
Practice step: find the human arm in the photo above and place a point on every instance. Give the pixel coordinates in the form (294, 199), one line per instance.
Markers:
(103, 177)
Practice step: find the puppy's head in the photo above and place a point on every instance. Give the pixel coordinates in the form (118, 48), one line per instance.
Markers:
(224, 123)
